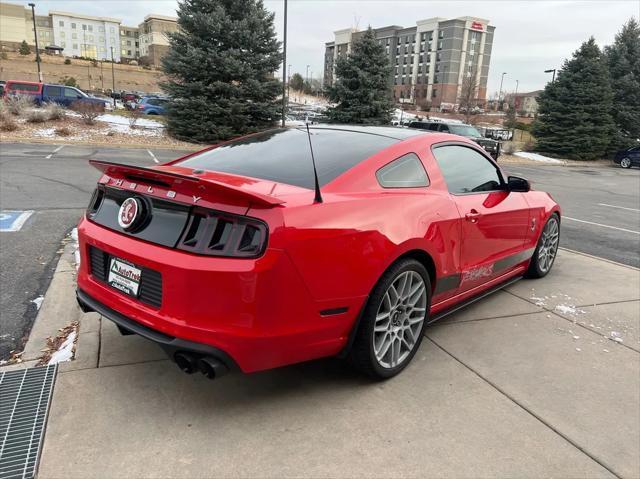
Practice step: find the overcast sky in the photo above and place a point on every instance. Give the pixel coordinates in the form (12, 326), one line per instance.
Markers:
(531, 36)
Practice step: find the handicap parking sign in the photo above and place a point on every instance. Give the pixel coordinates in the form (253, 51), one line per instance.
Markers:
(13, 220)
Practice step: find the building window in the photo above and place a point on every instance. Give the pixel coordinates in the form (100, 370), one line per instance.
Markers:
(122, 32)
(421, 59)
(124, 52)
(113, 30)
(441, 34)
(440, 45)
(73, 25)
(128, 43)
(101, 28)
(84, 27)
(61, 23)
(75, 46)
(46, 34)
(423, 36)
(90, 37)
(63, 44)
(74, 35)
(434, 93)
(101, 39)
(129, 52)
(62, 34)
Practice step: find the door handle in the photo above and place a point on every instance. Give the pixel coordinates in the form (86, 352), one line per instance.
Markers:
(473, 216)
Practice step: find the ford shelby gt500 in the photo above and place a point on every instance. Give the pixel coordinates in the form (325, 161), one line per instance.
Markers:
(295, 244)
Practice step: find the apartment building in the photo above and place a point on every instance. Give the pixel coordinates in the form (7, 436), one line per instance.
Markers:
(129, 42)
(430, 60)
(86, 36)
(154, 42)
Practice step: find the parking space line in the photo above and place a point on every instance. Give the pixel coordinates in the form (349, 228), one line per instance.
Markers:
(603, 226)
(620, 207)
(48, 157)
(153, 157)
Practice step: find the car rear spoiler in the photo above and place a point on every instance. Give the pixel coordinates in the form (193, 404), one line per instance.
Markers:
(180, 181)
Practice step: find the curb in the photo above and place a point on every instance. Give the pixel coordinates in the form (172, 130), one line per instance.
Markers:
(59, 308)
(105, 145)
(599, 258)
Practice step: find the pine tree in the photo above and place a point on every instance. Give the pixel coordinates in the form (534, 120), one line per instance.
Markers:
(623, 60)
(575, 111)
(297, 82)
(361, 87)
(24, 48)
(221, 66)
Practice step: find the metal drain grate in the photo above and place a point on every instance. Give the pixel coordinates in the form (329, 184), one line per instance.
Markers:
(25, 395)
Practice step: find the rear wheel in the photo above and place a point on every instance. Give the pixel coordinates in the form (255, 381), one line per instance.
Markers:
(546, 249)
(625, 163)
(391, 328)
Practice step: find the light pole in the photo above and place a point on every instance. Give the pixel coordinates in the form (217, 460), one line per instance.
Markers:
(500, 93)
(515, 96)
(35, 32)
(284, 67)
(307, 75)
(288, 82)
(113, 81)
(554, 74)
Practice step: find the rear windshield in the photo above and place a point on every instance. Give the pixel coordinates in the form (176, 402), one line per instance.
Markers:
(283, 155)
(464, 130)
(24, 87)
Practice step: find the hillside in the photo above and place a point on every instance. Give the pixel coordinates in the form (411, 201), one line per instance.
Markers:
(128, 77)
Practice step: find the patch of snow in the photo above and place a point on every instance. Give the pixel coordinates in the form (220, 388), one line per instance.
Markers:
(576, 337)
(615, 334)
(538, 301)
(76, 247)
(125, 129)
(537, 157)
(45, 133)
(65, 351)
(618, 340)
(38, 301)
(578, 349)
(606, 350)
(568, 309)
(123, 120)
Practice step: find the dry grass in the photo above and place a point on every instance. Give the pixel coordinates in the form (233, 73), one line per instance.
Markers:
(87, 111)
(19, 104)
(37, 116)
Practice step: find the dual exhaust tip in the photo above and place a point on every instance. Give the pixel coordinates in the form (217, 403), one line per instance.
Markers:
(209, 366)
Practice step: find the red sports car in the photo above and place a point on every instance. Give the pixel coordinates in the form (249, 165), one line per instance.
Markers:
(246, 256)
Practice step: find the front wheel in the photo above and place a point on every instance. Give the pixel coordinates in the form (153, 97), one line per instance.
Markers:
(625, 163)
(391, 328)
(546, 249)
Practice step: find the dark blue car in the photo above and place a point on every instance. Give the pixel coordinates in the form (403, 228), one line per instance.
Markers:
(628, 158)
(152, 105)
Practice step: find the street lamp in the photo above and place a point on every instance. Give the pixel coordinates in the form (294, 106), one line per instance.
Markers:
(554, 74)
(500, 93)
(35, 32)
(307, 76)
(284, 68)
(288, 82)
(113, 81)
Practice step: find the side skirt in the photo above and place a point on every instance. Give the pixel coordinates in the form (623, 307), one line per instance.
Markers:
(473, 299)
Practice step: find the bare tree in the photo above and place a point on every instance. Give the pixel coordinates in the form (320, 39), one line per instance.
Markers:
(469, 92)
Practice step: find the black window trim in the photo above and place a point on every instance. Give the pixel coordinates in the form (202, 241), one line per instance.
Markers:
(426, 174)
(481, 151)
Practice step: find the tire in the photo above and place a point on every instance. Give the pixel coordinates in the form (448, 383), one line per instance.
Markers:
(625, 163)
(397, 327)
(546, 250)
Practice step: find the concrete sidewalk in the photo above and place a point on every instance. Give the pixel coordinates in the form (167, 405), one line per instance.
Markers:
(526, 383)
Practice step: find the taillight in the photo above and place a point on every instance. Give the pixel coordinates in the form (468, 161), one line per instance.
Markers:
(95, 202)
(216, 233)
(140, 107)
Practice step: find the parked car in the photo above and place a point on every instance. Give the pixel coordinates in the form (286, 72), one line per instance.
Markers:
(153, 105)
(239, 257)
(628, 158)
(468, 131)
(46, 92)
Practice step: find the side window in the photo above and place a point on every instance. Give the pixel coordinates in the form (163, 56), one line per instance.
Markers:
(71, 93)
(53, 91)
(433, 127)
(444, 128)
(465, 170)
(24, 87)
(404, 172)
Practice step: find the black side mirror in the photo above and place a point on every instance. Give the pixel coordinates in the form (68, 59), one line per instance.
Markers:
(517, 184)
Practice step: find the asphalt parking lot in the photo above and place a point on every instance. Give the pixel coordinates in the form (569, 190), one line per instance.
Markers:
(601, 208)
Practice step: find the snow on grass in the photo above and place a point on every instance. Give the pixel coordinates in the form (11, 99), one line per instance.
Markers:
(65, 351)
(45, 133)
(123, 120)
(127, 130)
(537, 157)
(76, 247)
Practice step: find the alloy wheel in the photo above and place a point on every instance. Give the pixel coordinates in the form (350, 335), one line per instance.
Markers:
(399, 319)
(548, 245)
(625, 163)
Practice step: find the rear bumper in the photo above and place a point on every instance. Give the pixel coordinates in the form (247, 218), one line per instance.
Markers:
(170, 344)
(257, 312)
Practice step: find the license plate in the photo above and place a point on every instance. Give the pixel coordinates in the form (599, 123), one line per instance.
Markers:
(124, 276)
